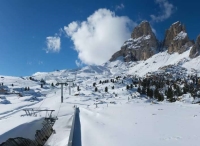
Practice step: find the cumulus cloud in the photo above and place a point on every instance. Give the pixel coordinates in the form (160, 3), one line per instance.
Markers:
(60, 32)
(100, 36)
(53, 44)
(78, 63)
(167, 10)
(71, 28)
(119, 7)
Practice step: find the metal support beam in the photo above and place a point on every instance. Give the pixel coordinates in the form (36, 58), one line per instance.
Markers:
(69, 90)
(64, 82)
(61, 90)
(61, 93)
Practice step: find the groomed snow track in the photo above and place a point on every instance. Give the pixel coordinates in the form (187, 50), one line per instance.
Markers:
(75, 133)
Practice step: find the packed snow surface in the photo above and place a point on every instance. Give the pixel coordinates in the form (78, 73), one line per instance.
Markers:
(105, 119)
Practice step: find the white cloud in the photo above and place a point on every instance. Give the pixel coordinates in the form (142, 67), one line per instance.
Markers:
(119, 7)
(78, 63)
(100, 36)
(53, 44)
(60, 32)
(167, 10)
(71, 28)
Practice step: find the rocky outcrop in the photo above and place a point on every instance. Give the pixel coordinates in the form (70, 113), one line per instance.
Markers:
(195, 51)
(143, 43)
(141, 46)
(176, 39)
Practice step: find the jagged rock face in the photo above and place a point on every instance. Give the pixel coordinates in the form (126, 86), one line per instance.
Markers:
(176, 39)
(141, 46)
(143, 29)
(195, 51)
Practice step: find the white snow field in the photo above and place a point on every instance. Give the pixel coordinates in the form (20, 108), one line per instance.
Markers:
(105, 119)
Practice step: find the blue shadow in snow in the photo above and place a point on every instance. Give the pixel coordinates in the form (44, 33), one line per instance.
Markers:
(77, 131)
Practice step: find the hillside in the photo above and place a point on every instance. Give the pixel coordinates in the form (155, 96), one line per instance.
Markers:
(117, 117)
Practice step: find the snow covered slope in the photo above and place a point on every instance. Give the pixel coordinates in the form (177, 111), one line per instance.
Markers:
(114, 118)
(155, 63)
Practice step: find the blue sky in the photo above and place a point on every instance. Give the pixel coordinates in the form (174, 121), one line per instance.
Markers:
(46, 35)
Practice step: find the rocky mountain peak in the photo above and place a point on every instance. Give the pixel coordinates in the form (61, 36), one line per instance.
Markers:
(197, 43)
(143, 29)
(176, 38)
(141, 46)
(195, 51)
(143, 43)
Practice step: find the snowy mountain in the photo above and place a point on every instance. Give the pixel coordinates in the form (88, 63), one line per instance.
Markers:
(143, 43)
(115, 101)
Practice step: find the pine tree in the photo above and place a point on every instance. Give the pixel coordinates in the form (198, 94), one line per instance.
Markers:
(148, 92)
(78, 89)
(28, 88)
(170, 94)
(42, 81)
(160, 97)
(166, 92)
(52, 84)
(139, 89)
(127, 87)
(106, 89)
(156, 92)
(185, 88)
(96, 89)
(169, 91)
(113, 87)
(175, 86)
(178, 91)
(167, 82)
(151, 93)
(143, 90)
(191, 89)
